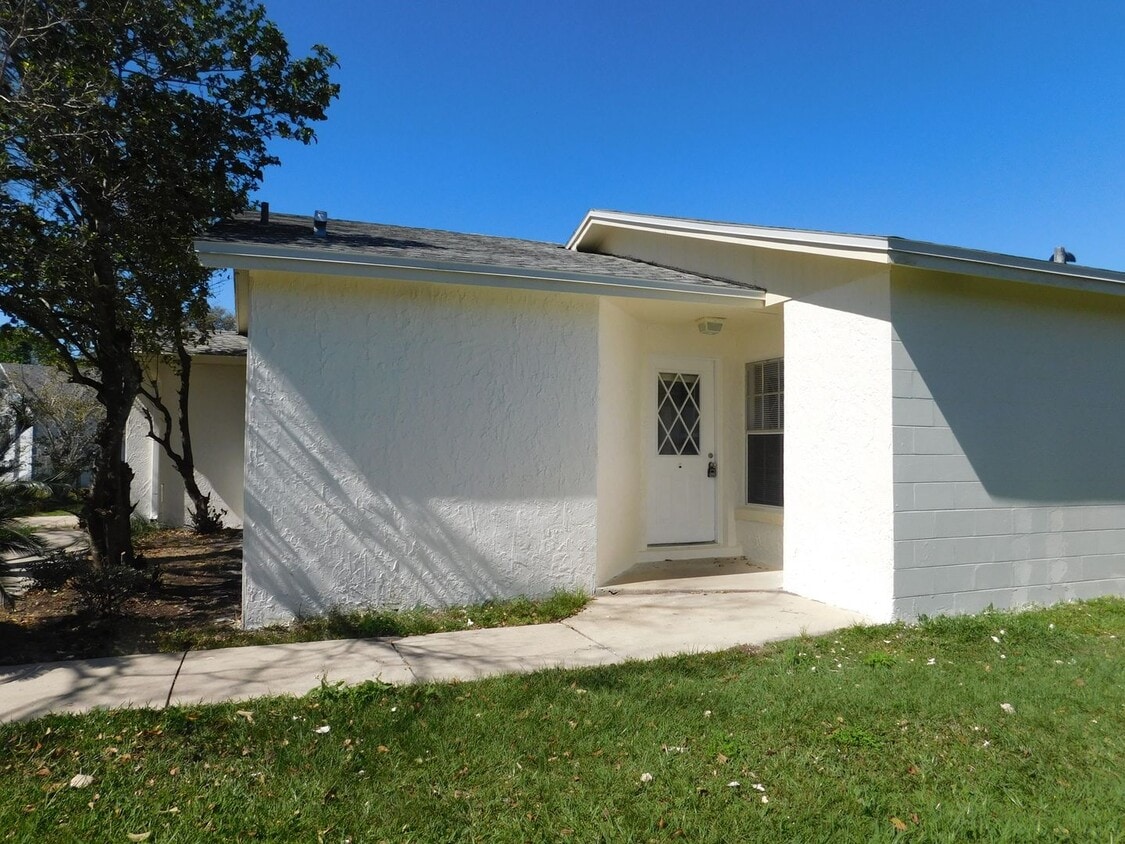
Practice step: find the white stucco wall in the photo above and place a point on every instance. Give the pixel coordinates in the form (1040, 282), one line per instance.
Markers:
(140, 456)
(760, 532)
(416, 444)
(1009, 462)
(620, 459)
(838, 531)
(218, 420)
(218, 413)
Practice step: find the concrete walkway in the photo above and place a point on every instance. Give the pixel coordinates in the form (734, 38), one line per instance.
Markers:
(612, 629)
(57, 532)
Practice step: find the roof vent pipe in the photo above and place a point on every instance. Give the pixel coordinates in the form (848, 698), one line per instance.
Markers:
(265, 208)
(320, 223)
(1061, 256)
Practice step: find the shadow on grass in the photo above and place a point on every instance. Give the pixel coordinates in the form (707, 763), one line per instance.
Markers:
(369, 624)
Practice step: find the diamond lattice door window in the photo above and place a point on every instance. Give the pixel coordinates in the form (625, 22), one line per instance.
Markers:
(678, 413)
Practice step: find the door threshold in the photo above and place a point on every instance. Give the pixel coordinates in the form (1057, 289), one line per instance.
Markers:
(687, 551)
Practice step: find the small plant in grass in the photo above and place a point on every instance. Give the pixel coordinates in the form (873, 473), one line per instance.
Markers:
(856, 737)
(797, 654)
(365, 692)
(879, 659)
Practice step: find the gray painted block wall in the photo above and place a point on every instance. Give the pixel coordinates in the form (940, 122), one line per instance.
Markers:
(1009, 444)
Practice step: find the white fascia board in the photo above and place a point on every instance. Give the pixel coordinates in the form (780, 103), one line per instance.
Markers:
(883, 250)
(287, 260)
(975, 262)
(864, 247)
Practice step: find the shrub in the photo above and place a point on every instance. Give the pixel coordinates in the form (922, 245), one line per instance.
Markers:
(142, 527)
(106, 590)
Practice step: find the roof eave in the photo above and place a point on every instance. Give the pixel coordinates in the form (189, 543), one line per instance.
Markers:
(974, 262)
(863, 247)
(242, 256)
(882, 250)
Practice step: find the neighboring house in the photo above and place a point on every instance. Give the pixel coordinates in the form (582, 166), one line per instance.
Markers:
(61, 418)
(217, 403)
(901, 427)
(17, 435)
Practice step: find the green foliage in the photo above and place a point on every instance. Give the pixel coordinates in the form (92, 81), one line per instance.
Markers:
(737, 748)
(55, 569)
(66, 418)
(143, 528)
(16, 500)
(369, 691)
(19, 344)
(127, 129)
(16, 539)
(795, 655)
(218, 319)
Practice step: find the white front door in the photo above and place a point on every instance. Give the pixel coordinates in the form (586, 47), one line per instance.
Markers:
(681, 449)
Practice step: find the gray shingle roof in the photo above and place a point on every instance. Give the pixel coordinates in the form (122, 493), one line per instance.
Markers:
(435, 246)
(229, 343)
(32, 378)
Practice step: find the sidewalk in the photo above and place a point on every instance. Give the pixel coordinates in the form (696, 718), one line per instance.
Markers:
(612, 629)
(57, 532)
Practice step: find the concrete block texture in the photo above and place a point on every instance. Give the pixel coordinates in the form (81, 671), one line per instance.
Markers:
(1010, 486)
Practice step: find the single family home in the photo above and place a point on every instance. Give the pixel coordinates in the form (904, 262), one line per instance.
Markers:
(902, 428)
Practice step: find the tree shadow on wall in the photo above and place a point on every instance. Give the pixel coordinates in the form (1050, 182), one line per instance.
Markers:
(1030, 382)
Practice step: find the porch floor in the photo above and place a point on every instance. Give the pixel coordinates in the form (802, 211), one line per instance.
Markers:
(715, 574)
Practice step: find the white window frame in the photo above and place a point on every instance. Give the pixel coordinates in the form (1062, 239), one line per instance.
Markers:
(757, 424)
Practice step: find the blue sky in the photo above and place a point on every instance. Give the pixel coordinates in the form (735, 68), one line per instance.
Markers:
(996, 125)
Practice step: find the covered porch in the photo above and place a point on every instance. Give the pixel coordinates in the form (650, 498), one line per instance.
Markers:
(690, 428)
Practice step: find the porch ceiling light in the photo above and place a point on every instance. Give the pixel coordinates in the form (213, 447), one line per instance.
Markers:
(710, 324)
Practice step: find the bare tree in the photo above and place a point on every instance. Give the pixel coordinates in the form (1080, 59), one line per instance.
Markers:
(65, 418)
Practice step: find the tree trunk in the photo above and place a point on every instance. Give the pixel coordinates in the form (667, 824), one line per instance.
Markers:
(107, 510)
(203, 516)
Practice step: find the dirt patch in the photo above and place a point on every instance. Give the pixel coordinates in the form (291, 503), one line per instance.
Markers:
(199, 584)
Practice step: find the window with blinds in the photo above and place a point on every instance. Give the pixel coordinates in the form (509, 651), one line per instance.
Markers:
(765, 431)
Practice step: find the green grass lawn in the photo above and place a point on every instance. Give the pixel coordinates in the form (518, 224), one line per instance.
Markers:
(872, 734)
